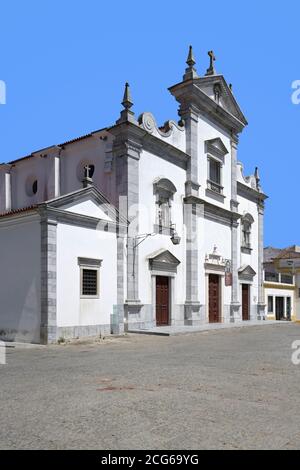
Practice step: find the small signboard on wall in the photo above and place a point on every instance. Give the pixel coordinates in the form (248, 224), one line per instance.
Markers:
(228, 279)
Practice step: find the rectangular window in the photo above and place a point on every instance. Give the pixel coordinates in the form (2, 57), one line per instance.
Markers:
(214, 176)
(270, 304)
(287, 279)
(164, 213)
(271, 277)
(89, 284)
(89, 277)
(214, 171)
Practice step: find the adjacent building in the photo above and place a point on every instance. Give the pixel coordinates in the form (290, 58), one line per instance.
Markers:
(282, 283)
(135, 225)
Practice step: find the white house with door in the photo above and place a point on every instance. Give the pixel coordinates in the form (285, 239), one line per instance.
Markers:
(282, 282)
(135, 225)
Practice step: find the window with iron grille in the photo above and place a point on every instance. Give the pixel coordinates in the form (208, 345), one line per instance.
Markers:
(214, 176)
(89, 282)
(89, 277)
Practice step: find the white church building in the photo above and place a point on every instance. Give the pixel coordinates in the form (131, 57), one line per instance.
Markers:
(135, 225)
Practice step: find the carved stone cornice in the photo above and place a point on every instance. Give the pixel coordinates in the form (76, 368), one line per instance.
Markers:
(234, 140)
(250, 193)
(234, 205)
(189, 111)
(165, 150)
(261, 207)
(53, 216)
(189, 92)
(191, 188)
(128, 148)
(215, 213)
(147, 141)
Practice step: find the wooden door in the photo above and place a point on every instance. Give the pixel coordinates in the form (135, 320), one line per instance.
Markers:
(279, 308)
(162, 300)
(214, 298)
(245, 302)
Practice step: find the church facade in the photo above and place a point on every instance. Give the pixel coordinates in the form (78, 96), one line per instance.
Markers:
(135, 225)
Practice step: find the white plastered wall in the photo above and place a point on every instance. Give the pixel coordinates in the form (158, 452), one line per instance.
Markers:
(74, 242)
(20, 273)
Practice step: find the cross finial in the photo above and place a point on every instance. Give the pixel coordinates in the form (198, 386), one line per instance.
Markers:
(127, 101)
(190, 71)
(87, 180)
(212, 58)
(87, 170)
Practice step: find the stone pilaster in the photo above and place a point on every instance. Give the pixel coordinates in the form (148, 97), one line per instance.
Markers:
(48, 280)
(53, 173)
(5, 188)
(192, 304)
(118, 323)
(190, 116)
(127, 154)
(261, 300)
(235, 303)
(191, 214)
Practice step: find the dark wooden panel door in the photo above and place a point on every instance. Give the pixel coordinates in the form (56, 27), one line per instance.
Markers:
(214, 298)
(279, 308)
(245, 302)
(162, 300)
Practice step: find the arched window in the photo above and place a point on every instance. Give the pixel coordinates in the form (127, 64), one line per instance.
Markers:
(31, 185)
(246, 224)
(164, 191)
(34, 187)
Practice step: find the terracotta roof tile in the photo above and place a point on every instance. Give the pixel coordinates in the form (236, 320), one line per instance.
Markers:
(18, 211)
(76, 139)
(288, 255)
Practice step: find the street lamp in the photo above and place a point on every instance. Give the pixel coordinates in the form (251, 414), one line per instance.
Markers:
(175, 238)
(138, 239)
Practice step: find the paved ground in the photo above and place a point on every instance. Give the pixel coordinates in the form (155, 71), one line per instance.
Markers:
(233, 389)
(182, 330)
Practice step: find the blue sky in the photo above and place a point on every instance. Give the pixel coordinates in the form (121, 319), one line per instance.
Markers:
(65, 63)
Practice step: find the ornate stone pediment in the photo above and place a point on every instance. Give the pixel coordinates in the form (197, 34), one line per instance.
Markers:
(246, 273)
(214, 261)
(226, 98)
(163, 260)
(216, 148)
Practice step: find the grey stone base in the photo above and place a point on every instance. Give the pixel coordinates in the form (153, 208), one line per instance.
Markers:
(48, 334)
(234, 312)
(187, 315)
(140, 326)
(117, 320)
(261, 312)
(139, 316)
(21, 336)
(194, 314)
(82, 331)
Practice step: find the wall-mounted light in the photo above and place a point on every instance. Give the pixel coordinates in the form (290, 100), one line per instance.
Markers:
(175, 238)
